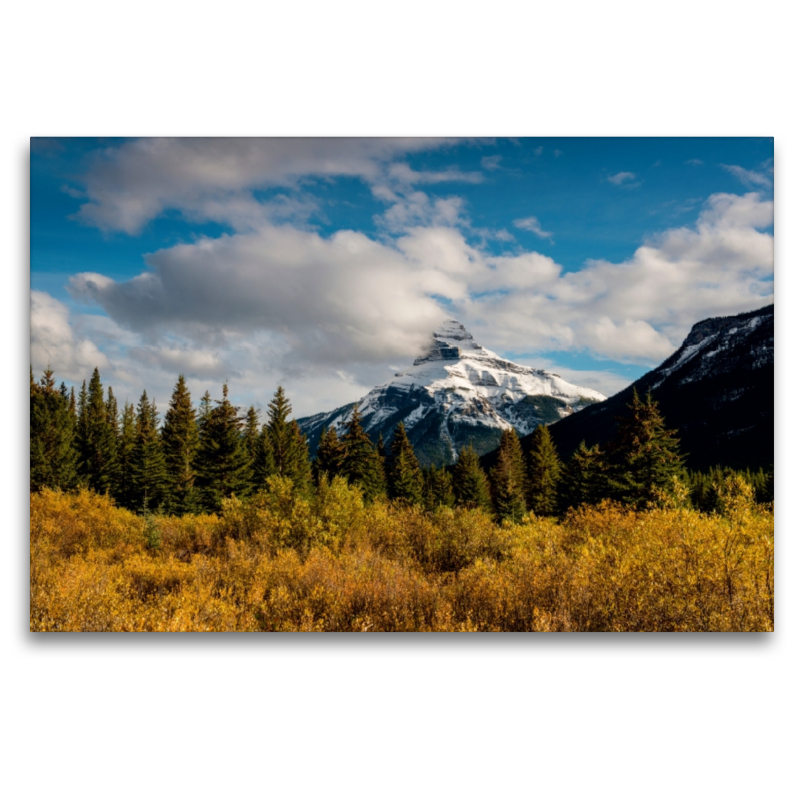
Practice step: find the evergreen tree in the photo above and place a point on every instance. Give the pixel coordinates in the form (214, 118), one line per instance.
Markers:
(96, 443)
(126, 446)
(223, 466)
(149, 481)
(470, 487)
(180, 441)
(361, 464)
(583, 479)
(53, 457)
(507, 479)
(438, 489)
(544, 471)
(644, 456)
(330, 455)
(264, 465)
(287, 443)
(403, 473)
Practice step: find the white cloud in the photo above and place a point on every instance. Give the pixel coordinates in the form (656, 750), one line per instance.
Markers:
(491, 162)
(694, 162)
(53, 341)
(621, 177)
(210, 178)
(281, 305)
(748, 177)
(532, 224)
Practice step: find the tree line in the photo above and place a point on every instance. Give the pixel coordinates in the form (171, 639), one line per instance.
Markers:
(194, 458)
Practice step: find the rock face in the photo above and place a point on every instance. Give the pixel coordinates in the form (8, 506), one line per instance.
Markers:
(458, 393)
(717, 390)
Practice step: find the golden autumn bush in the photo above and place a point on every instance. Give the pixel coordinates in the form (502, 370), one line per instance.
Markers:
(284, 562)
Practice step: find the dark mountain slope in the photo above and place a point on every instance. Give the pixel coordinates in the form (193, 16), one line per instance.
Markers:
(717, 390)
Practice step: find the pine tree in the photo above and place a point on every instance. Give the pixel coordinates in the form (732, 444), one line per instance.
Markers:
(96, 443)
(361, 464)
(53, 457)
(180, 441)
(507, 479)
(264, 465)
(470, 486)
(403, 473)
(330, 454)
(149, 481)
(583, 479)
(438, 488)
(644, 456)
(223, 466)
(287, 443)
(544, 471)
(126, 445)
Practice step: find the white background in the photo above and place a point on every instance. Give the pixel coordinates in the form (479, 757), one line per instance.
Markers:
(625, 716)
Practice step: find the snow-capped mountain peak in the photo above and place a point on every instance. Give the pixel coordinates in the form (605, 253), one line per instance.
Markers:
(457, 393)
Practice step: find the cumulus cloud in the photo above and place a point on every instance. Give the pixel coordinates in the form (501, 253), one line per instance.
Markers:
(348, 302)
(532, 224)
(621, 177)
(748, 177)
(53, 341)
(130, 184)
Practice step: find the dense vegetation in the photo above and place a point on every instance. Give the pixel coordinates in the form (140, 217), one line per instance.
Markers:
(214, 521)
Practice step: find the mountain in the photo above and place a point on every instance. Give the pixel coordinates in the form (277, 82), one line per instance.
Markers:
(455, 394)
(717, 390)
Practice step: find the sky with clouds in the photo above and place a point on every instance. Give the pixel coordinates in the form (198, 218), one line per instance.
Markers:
(324, 264)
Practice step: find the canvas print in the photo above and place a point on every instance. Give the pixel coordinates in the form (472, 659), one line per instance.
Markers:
(401, 384)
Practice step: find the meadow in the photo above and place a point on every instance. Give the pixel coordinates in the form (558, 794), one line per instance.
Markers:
(281, 562)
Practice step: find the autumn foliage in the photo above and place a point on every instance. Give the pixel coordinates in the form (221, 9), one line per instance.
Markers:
(288, 561)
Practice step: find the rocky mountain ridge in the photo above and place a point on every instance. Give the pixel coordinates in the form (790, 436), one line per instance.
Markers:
(457, 393)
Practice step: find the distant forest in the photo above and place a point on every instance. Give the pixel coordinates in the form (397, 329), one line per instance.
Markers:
(194, 458)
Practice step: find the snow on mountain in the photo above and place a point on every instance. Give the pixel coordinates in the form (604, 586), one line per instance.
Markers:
(457, 393)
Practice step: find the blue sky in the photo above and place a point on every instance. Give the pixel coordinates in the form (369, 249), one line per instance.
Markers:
(323, 265)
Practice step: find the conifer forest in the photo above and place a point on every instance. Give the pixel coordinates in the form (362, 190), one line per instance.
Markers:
(208, 517)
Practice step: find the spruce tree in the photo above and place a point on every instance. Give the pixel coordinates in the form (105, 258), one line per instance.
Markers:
(507, 479)
(149, 481)
(287, 443)
(361, 464)
(330, 454)
(264, 464)
(644, 456)
(470, 486)
(583, 479)
(126, 445)
(53, 459)
(222, 463)
(438, 488)
(96, 443)
(180, 441)
(544, 471)
(403, 473)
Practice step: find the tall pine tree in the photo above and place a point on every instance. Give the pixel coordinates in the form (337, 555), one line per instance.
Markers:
(149, 480)
(507, 479)
(470, 486)
(330, 455)
(544, 471)
(584, 479)
(96, 442)
(644, 456)
(287, 443)
(180, 441)
(222, 463)
(438, 488)
(361, 464)
(403, 473)
(53, 456)
(126, 445)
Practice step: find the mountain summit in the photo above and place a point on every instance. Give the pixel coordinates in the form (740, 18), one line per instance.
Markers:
(457, 393)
